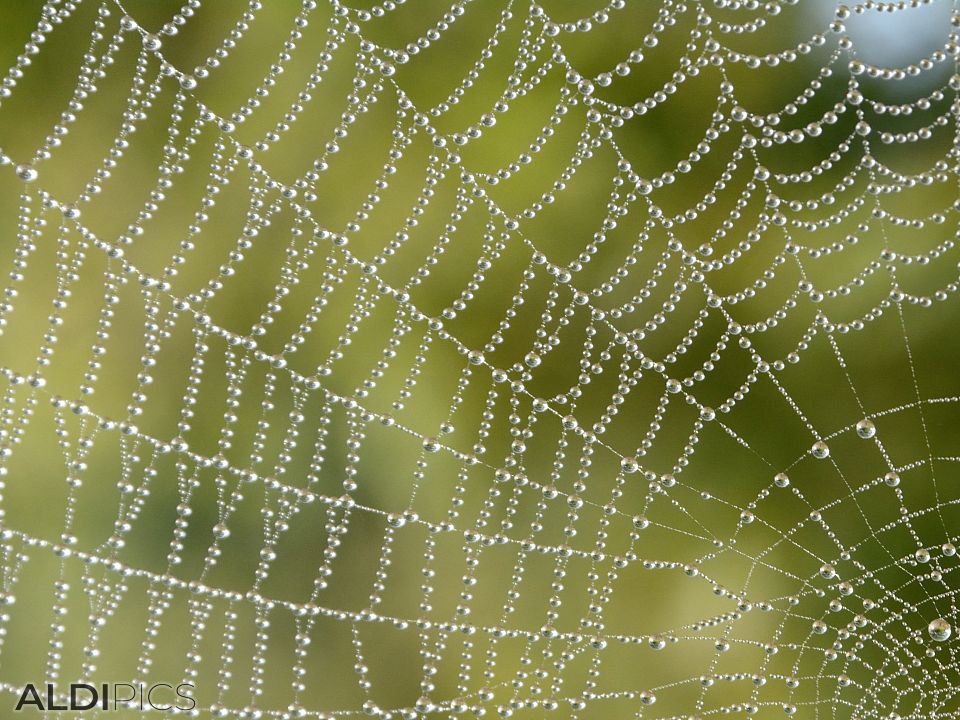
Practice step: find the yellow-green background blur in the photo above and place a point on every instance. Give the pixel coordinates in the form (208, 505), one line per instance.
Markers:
(644, 602)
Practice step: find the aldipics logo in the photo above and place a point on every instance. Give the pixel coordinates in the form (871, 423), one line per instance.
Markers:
(161, 697)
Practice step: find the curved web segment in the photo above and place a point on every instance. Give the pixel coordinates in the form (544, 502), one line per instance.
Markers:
(484, 359)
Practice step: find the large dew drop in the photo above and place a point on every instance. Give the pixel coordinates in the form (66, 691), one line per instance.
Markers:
(939, 630)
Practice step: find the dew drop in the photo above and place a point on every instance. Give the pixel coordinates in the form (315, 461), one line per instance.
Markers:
(939, 630)
(26, 173)
(866, 429)
(629, 465)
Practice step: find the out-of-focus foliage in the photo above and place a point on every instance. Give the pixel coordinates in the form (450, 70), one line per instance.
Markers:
(728, 464)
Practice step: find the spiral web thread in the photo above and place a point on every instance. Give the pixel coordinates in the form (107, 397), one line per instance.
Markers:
(553, 485)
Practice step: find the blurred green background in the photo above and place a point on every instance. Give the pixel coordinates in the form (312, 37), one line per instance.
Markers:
(868, 530)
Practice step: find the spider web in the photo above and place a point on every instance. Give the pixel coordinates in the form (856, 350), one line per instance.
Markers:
(613, 378)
